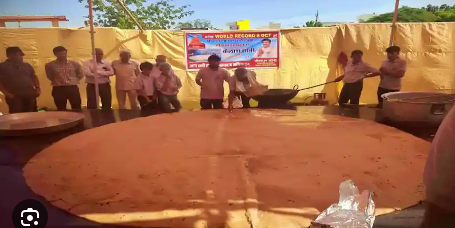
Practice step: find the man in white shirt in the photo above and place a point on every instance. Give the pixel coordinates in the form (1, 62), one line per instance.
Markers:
(126, 70)
(267, 51)
(439, 177)
(392, 71)
(103, 71)
(243, 85)
(354, 73)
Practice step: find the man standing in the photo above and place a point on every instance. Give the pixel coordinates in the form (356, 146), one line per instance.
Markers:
(103, 71)
(126, 71)
(211, 80)
(145, 87)
(156, 72)
(392, 71)
(439, 177)
(168, 84)
(160, 59)
(18, 82)
(267, 51)
(64, 75)
(354, 73)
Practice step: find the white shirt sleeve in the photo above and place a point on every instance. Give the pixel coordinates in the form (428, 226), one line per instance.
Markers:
(226, 76)
(87, 68)
(370, 69)
(139, 84)
(106, 73)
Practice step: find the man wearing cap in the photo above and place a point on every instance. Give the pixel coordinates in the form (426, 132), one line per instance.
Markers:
(126, 70)
(65, 76)
(103, 71)
(18, 82)
(392, 71)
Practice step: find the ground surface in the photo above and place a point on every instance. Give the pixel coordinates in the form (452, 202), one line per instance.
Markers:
(288, 163)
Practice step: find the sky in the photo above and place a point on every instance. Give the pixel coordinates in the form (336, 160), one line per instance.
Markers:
(260, 12)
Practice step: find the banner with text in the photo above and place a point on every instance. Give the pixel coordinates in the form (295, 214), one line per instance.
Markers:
(236, 49)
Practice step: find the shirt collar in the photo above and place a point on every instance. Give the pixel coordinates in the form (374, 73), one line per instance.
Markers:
(392, 61)
(164, 76)
(214, 69)
(129, 61)
(67, 61)
(93, 61)
(12, 63)
(356, 64)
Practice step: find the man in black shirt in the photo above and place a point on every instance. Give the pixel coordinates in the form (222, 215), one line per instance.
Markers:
(18, 82)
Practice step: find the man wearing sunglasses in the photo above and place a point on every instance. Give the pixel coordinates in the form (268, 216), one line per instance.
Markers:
(18, 82)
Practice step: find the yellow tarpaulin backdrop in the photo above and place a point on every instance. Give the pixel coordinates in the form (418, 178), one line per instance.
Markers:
(308, 55)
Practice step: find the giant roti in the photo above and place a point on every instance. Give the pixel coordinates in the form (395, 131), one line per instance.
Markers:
(252, 168)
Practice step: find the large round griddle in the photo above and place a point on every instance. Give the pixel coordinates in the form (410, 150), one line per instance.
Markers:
(35, 123)
(252, 168)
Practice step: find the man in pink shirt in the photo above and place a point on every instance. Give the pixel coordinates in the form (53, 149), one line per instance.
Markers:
(126, 70)
(168, 85)
(211, 80)
(159, 60)
(354, 73)
(439, 177)
(145, 87)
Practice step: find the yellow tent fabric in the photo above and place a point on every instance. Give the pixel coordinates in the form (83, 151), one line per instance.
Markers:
(308, 55)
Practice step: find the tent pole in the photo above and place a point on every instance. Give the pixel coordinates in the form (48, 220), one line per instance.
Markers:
(128, 13)
(394, 27)
(92, 36)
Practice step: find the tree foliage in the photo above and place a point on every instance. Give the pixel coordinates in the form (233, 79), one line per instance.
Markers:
(198, 23)
(430, 13)
(446, 15)
(313, 24)
(433, 9)
(159, 15)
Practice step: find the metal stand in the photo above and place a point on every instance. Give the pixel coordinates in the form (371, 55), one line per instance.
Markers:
(92, 36)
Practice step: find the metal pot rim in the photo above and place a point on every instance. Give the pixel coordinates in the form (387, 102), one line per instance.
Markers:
(73, 119)
(385, 97)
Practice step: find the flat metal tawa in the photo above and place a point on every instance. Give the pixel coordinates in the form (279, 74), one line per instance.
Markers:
(36, 123)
